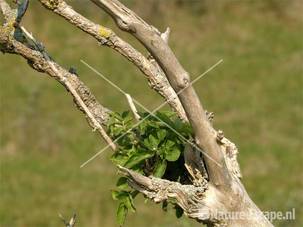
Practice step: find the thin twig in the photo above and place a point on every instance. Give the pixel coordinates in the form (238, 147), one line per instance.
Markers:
(132, 107)
(70, 223)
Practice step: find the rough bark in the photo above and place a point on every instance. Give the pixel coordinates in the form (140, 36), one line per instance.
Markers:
(148, 66)
(225, 191)
(107, 37)
(16, 40)
(216, 189)
(179, 80)
(206, 203)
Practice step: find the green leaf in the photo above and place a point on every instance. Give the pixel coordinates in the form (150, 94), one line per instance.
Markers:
(121, 213)
(122, 183)
(169, 144)
(116, 130)
(165, 118)
(161, 134)
(143, 114)
(168, 113)
(119, 159)
(116, 115)
(147, 143)
(153, 141)
(127, 118)
(129, 203)
(161, 152)
(173, 154)
(125, 114)
(182, 127)
(111, 121)
(119, 195)
(126, 143)
(153, 124)
(138, 157)
(160, 168)
(115, 195)
(142, 127)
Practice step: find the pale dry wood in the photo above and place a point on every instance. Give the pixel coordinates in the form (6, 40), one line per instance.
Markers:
(39, 59)
(70, 223)
(179, 79)
(202, 203)
(107, 37)
(132, 107)
(225, 192)
(201, 200)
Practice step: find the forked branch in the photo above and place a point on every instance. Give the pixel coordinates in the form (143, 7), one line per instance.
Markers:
(179, 79)
(107, 37)
(148, 66)
(16, 40)
(217, 187)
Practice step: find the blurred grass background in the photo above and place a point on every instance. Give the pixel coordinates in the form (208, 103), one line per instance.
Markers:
(256, 95)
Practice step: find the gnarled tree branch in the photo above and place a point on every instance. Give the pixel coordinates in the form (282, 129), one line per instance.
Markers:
(202, 203)
(16, 40)
(202, 200)
(107, 37)
(179, 80)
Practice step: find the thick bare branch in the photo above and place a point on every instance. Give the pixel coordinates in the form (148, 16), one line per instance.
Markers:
(107, 37)
(179, 79)
(160, 190)
(202, 203)
(201, 200)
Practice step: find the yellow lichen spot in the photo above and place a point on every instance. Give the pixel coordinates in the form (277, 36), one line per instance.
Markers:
(51, 4)
(11, 23)
(8, 27)
(104, 32)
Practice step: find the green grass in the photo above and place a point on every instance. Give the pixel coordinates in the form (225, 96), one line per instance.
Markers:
(256, 95)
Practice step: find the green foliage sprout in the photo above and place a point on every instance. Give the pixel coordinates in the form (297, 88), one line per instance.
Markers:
(150, 148)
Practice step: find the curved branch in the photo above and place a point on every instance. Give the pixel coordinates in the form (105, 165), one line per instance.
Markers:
(201, 200)
(107, 37)
(159, 190)
(202, 203)
(25, 45)
(179, 79)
